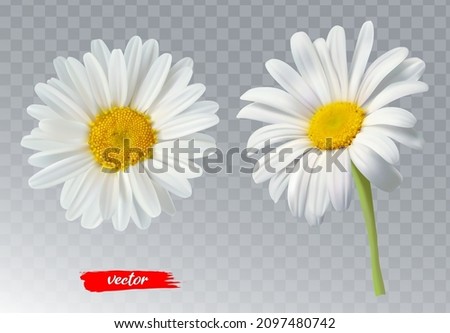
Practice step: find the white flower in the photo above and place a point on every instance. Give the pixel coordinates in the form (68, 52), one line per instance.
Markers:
(330, 106)
(93, 110)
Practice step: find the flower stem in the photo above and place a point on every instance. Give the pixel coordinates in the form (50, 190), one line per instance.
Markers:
(365, 198)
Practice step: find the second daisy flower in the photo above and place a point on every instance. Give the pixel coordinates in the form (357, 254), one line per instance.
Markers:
(327, 105)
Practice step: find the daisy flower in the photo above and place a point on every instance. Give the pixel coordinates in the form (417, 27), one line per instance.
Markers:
(105, 131)
(334, 110)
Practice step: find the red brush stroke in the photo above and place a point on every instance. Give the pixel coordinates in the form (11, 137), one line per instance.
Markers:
(101, 281)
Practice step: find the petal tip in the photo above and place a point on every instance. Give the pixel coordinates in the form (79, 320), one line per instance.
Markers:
(88, 57)
(299, 35)
(135, 39)
(38, 87)
(171, 212)
(367, 25)
(189, 62)
(245, 96)
(23, 141)
(91, 226)
(31, 183)
(270, 63)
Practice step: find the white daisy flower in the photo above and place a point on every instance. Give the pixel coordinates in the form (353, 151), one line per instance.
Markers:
(329, 108)
(106, 129)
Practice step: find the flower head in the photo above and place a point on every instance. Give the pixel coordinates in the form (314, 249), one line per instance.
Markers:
(106, 128)
(330, 108)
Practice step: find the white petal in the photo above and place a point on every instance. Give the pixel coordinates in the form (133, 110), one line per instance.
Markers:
(177, 79)
(200, 137)
(411, 69)
(406, 136)
(266, 114)
(164, 199)
(186, 124)
(199, 144)
(390, 116)
(32, 142)
(274, 133)
(381, 144)
(150, 51)
(123, 215)
(328, 67)
(188, 168)
(278, 184)
(40, 112)
(133, 59)
(298, 184)
(139, 216)
(98, 81)
(48, 157)
(152, 83)
(337, 45)
(66, 90)
(115, 221)
(60, 67)
(91, 218)
(86, 194)
(70, 190)
(185, 62)
(61, 171)
(394, 92)
(380, 68)
(309, 66)
(144, 191)
(168, 178)
(339, 182)
(318, 197)
(279, 158)
(294, 190)
(278, 99)
(174, 83)
(202, 107)
(117, 78)
(40, 134)
(102, 53)
(293, 83)
(61, 104)
(177, 103)
(181, 162)
(383, 58)
(360, 57)
(80, 82)
(379, 172)
(61, 129)
(109, 195)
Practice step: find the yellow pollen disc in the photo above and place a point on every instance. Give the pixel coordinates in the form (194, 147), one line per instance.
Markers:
(121, 137)
(335, 125)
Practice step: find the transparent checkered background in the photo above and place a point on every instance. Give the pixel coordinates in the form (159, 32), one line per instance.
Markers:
(230, 246)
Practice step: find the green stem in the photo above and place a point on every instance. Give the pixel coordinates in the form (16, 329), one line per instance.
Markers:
(365, 198)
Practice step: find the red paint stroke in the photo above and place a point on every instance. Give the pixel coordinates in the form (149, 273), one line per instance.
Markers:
(101, 281)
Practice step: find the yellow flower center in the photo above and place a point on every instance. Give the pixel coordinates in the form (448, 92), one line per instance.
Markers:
(120, 137)
(335, 125)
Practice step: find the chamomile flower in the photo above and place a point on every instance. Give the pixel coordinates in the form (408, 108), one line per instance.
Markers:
(105, 131)
(328, 105)
(331, 107)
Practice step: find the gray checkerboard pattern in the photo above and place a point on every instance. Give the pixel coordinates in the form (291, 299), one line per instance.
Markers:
(230, 246)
